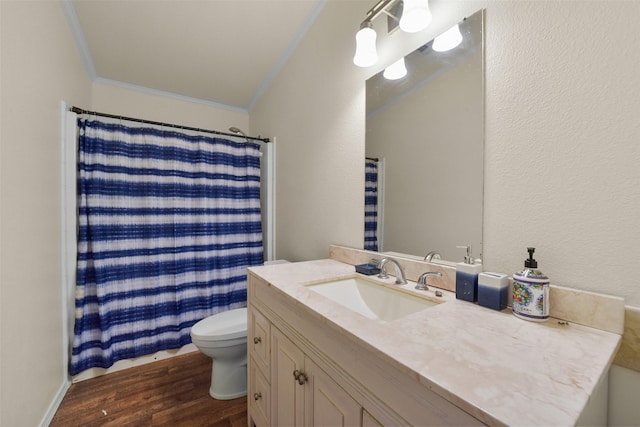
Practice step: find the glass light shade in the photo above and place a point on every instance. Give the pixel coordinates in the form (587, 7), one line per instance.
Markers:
(366, 54)
(395, 71)
(447, 40)
(415, 16)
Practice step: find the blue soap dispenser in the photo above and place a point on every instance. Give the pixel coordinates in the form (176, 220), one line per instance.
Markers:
(467, 277)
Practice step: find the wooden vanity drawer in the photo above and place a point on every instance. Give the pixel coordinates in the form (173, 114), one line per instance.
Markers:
(259, 339)
(259, 396)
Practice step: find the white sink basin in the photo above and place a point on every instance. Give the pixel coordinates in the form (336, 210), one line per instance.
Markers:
(371, 299)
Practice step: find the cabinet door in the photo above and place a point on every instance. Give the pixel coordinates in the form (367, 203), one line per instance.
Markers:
(326, 403)
(287, 396)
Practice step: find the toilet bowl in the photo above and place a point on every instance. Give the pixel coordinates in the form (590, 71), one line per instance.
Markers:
(223, 337)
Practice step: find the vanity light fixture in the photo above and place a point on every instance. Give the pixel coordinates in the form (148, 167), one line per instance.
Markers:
(415, 17)
(395, 71)
(366, 54)
(447, 40)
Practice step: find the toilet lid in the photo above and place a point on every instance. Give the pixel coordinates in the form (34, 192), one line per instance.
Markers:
(222, 326)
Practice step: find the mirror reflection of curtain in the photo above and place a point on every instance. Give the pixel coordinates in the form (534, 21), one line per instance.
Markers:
(371, 205)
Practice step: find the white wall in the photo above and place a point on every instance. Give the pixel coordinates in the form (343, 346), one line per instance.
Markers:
(40, 68)
(138, 103)
(315, 109)
(562, 141)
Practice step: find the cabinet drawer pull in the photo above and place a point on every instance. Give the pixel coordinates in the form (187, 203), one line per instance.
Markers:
(257, 340)
(300, 376)
(257, 396)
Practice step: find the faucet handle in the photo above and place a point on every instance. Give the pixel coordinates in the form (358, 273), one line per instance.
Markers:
(422, 280)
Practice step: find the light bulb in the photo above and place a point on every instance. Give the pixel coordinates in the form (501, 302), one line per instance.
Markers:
(366, 54)
(415, 16)
(395, 71)
(447, 40)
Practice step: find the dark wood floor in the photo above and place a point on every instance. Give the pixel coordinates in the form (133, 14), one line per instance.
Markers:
(170, 392)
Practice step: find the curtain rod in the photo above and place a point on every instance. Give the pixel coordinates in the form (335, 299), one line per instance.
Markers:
(151, 122)
(375, 159)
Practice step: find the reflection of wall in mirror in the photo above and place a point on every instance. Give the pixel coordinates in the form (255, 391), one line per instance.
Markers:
(432, 143)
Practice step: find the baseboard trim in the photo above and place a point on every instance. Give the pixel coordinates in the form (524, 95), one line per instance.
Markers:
(55, 404)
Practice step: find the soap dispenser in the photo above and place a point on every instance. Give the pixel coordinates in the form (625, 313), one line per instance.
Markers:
(531, 292)
(467, 277)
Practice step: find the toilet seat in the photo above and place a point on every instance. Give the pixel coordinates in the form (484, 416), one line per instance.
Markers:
(227, 325)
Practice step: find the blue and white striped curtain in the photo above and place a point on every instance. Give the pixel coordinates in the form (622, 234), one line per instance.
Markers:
(371, 205)
(168, 224)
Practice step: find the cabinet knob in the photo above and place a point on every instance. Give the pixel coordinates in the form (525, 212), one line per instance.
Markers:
(300, 376)
(257, 340)
(257, 396)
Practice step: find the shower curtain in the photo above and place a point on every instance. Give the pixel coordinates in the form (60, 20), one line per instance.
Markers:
(371, 205)
(168, 224)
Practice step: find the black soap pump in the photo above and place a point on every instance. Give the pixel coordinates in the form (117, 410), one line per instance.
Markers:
(531, 291)
(531, 263)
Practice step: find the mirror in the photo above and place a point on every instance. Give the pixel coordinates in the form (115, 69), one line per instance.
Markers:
(426, 131)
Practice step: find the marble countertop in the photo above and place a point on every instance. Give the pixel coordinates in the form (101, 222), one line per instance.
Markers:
(494, 366)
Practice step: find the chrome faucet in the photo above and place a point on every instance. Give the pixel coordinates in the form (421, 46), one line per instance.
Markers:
(422, 280)
(431, 256)
(400, 279)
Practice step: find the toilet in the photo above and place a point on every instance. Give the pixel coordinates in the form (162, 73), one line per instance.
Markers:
(223, 337)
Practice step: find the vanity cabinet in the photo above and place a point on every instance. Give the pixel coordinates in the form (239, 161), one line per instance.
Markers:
(305, 372)
(287, 388)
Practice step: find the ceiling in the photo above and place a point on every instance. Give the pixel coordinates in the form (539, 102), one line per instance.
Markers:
(219, 51)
